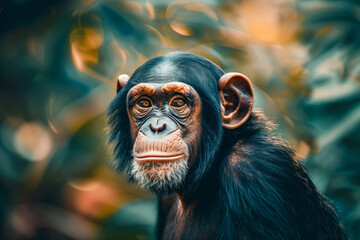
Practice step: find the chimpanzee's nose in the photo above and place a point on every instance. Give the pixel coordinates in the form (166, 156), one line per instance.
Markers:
(158, 126)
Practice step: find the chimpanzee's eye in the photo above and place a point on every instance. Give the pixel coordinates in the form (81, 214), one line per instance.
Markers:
(144, 103)
(177, 102)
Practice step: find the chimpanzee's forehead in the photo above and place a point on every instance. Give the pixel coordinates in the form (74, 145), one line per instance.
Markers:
(199, 73)
(165, 68)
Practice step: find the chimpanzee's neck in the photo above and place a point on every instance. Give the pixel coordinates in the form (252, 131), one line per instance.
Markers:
(205, 192)
(202, 194)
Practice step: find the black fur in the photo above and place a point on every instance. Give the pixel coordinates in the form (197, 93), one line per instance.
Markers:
(245, 183)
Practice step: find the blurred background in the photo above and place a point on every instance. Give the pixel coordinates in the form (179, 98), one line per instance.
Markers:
(58, 66)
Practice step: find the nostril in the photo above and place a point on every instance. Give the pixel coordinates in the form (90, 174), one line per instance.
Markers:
(152, 128)
(162, 128)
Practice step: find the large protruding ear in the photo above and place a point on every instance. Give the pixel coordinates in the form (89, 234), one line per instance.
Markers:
(237, 99)
(121, 81)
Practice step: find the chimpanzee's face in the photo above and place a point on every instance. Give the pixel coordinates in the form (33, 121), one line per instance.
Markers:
(167, 120)
(165, 124)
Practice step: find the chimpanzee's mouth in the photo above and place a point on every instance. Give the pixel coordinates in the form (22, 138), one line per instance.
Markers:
(158, 156)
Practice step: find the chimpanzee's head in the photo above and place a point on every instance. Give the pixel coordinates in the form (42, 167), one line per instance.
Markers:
(167, 120)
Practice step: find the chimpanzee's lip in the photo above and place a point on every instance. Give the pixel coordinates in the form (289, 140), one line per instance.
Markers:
(158, 156)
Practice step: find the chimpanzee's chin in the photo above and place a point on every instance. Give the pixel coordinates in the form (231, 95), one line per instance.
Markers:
(160, 177)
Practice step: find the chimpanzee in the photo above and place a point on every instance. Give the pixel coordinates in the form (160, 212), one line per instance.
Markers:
(186, 130)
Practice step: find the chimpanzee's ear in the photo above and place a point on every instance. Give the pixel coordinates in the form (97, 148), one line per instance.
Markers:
(121, 81)
(237, 99)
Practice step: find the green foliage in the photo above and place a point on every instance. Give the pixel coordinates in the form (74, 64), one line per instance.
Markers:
(333, 107)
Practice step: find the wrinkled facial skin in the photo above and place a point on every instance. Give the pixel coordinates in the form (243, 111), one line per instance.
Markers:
(165, 122)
